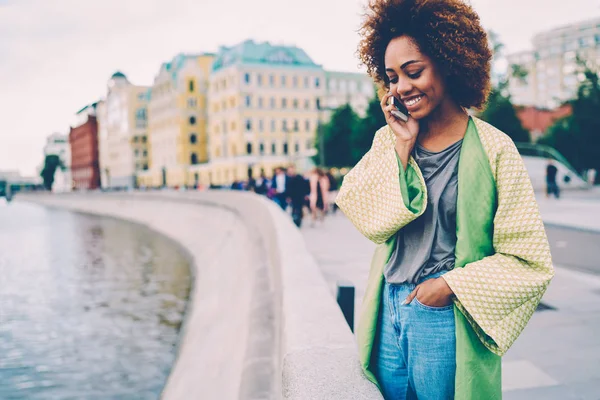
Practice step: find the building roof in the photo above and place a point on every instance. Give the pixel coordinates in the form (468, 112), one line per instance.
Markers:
(250, 52)
(93, 105)
(177, 63)
(118, 74)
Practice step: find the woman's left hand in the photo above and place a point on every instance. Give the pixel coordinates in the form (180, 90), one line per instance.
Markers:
(433, 292)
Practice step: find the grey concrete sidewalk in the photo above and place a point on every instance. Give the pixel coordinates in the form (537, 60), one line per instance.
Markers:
(557, 356)
(578, 209)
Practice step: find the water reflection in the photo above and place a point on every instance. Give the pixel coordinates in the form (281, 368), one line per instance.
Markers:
(89, 307)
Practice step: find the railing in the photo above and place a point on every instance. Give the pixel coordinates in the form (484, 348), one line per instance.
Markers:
(544, 151)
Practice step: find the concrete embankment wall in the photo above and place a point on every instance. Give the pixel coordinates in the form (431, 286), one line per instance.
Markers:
(261, 322)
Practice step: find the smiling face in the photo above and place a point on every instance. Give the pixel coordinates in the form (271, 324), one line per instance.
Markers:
(413, 78)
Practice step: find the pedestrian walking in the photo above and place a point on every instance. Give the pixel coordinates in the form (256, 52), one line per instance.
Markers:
(319, 189)
(463, 259)
(279, 185)
(297, 191)
(262, 184)
(551, 185)
(333, 190)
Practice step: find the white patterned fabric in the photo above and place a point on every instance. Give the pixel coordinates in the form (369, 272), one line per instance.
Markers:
(370, 195)
(499, 293)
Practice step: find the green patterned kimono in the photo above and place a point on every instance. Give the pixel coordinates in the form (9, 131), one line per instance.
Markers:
(503, 263)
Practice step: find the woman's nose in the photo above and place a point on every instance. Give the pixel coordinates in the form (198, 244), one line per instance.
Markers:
(403, 87)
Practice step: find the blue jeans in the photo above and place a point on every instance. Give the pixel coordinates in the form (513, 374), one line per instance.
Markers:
(414, 354)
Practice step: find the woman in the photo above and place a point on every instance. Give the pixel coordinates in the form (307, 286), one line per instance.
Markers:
(319, 188)
(463, 259)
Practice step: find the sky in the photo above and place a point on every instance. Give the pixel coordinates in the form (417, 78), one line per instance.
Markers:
(57, 56)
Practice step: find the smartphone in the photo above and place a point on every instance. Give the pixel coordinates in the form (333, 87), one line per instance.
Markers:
(400, 112)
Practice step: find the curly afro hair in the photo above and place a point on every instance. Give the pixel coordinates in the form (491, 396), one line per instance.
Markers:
(447, 31)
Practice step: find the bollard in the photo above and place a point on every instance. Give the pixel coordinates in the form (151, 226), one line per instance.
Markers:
(345, 299)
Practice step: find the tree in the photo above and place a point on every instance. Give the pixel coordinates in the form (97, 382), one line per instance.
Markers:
(336, 136)
(577, 137)
(51, 163)
(499, 110)
(362, 137)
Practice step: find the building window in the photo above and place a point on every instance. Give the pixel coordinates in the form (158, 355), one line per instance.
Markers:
(191, 86)
(192, 103)
(295, 104)
(194, 159)
(193, 138)
(145, 153)
(272, 102)
(273, 148)
(285, 148)
(192, 120)
(283, 80)
(261, 148)
(248, 101)
(135, 139)
(284, 125)
(317, 82)
(272, 80)
(306, 81)
(307, 125)
(145, 167)
(306, 104)
(249, 148)
(297, 148)
(260, 102)
(318, 104)
(284, 103)
(296, 126)
(261, 126)
(309, 144)
(248, 125)
(295, 81)
(144, 139)
(272, 125)
(247, 77)
(137, 152)
(259, 79)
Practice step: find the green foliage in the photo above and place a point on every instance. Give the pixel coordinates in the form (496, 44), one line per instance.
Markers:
(501, 113)
(577, 137)
(347, 137)
(499, 110)
(51, 163)
(362, 136)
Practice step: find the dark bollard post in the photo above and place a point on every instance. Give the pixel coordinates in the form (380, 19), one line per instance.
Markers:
(345, 298)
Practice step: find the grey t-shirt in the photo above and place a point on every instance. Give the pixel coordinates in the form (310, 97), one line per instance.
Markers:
(426, 245)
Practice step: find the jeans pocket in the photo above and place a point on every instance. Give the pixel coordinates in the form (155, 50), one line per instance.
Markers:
(430, 308)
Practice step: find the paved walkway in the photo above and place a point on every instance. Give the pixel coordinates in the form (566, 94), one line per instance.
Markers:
(557, 356)
(579, 209)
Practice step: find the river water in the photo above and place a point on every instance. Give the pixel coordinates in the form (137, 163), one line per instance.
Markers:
(90, 308)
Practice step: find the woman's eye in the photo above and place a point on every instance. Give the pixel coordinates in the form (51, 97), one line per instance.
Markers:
(393, 80)
(415, 75)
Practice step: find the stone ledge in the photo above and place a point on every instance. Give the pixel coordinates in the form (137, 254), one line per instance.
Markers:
(297, 344)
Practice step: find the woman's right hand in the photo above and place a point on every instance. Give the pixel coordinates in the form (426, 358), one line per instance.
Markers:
(406, 132)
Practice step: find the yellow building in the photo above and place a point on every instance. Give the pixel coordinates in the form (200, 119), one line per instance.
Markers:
(122, 133)
(265, 104)
(177, 121)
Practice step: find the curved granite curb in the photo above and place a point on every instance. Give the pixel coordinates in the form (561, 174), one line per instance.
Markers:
(262, 323)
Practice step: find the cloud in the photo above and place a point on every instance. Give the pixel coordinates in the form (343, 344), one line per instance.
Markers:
(57, 55)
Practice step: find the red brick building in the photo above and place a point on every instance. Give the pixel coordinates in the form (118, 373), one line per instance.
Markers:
(537, 120)
(83, 139)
